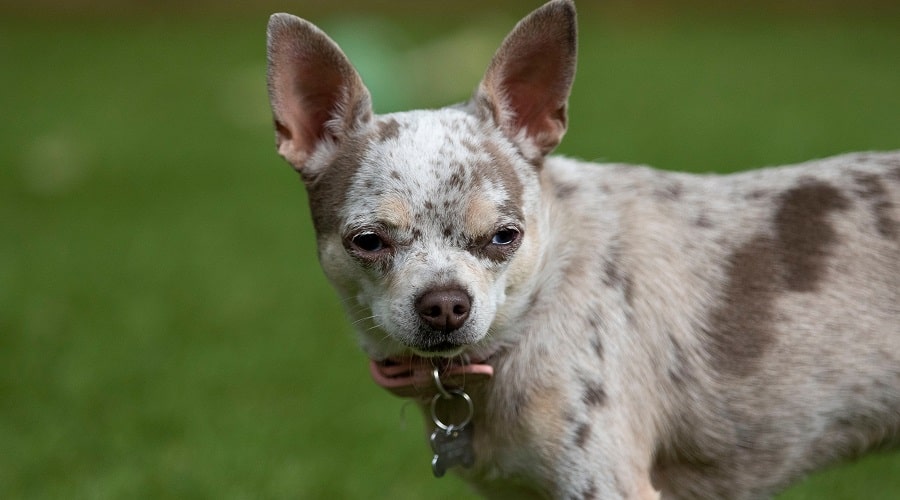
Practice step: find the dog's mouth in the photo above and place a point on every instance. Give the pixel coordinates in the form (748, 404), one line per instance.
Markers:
(412, 376)
(442, 348)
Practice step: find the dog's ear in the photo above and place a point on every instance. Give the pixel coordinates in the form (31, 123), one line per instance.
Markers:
(317, 97)
(526, 87)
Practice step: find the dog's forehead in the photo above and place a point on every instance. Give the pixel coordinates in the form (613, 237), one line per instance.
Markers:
(436, 166)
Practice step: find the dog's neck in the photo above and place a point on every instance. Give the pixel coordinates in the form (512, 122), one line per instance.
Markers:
(414, 376)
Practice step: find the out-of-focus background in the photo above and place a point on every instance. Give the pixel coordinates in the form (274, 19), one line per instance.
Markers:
(165, 331)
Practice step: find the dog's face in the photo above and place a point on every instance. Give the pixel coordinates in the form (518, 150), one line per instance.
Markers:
(431, 229)
(426, 220)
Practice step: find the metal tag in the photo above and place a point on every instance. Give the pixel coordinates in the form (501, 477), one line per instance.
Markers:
(451, 443)
(452, 446)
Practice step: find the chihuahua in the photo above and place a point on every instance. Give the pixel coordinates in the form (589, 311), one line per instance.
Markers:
(616, 331)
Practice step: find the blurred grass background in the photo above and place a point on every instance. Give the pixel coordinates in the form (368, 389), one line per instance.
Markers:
(165, 331)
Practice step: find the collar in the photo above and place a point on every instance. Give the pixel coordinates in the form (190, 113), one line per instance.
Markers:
(411, 376)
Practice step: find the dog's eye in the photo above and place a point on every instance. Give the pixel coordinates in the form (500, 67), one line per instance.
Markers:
(502, 245)
(368, 242)
(505, 236)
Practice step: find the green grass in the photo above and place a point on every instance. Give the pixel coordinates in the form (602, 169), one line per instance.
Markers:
(165, 331)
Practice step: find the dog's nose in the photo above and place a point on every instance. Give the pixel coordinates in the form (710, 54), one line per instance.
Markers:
(444, 309)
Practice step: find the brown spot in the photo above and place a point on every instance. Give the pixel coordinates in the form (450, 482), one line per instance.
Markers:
(590, 493)
(501, 170)
(614, 277)
(565, 190)
(872, 189)
(803, 233)
(628, 290)
(598, 348)
(676, 376)
(678, 369)
(611, 276)
(388, 130)
(757, 194)
(594, 395)
(741, 327)
(534, 298)
(703, 221)
(456, 180)
(582, 434)
(329, 189)
(671, 191)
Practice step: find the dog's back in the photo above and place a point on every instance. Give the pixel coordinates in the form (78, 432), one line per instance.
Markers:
(768, 301)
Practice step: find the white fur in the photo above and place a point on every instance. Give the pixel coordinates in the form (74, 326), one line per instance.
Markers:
(651, 333)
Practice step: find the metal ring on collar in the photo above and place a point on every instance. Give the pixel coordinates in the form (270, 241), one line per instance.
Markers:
(435, 374)
(453, 392)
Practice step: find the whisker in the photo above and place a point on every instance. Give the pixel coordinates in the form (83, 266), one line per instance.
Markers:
(366, 318)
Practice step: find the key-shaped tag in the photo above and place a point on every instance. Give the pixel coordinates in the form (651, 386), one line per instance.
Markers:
(451, 443)
(452, 446)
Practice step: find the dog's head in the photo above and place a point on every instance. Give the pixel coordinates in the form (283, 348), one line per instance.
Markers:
(426, 220)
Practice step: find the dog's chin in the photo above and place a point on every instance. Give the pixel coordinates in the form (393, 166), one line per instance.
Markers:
(440, 350)
(428, 344)
(436, 345)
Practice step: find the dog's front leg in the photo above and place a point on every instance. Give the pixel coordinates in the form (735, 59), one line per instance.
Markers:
(606, 452)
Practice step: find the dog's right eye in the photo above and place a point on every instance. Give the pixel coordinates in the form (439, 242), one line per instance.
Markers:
(368, 242)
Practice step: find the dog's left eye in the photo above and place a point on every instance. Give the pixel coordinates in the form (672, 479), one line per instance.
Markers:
(505, 236)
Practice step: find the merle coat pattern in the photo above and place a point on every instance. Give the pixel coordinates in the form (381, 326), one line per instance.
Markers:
(652, 334)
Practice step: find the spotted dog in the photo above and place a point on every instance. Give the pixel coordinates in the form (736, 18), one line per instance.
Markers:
(626, 332)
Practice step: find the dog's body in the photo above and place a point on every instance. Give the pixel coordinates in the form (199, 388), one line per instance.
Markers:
(650, 332)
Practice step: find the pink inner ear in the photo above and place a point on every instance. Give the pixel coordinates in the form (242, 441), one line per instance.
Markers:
(310, 100)
(534, 93)
(314, 91)
(536, 102)
(529, 79)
